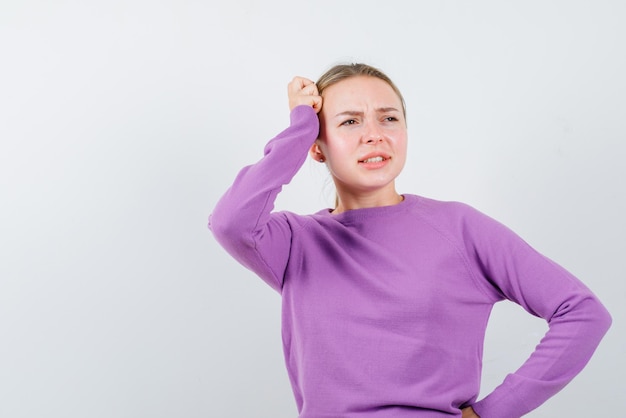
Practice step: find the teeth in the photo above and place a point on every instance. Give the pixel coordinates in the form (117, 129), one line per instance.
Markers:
(374, 160)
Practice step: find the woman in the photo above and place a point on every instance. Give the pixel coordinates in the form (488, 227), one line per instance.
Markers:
(386, 297)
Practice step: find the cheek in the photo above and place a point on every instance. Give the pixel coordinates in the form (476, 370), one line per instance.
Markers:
(405, 142)
(402, 139)
(401, 147)
(331, 150)
(335, 144)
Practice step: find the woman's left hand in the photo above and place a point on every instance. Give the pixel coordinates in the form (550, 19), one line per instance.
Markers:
(468, 413)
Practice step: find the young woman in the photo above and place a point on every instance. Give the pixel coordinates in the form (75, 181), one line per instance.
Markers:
(386, 297)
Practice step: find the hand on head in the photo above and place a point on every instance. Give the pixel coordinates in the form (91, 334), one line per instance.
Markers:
(303, 91)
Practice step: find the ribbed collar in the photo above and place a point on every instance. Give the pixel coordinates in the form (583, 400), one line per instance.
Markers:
(359, 215)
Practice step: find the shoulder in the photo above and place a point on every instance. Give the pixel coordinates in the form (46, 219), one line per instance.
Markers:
(457, 220)
(441, 210)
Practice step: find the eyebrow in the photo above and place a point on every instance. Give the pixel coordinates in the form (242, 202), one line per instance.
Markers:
(359, 113)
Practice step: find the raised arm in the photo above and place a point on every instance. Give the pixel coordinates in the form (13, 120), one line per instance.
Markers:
(242, 221)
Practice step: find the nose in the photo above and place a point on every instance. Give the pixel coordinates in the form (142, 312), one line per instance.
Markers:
(372, 134)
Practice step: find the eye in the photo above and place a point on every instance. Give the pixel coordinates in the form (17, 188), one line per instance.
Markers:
(391, 119)
(348, 122)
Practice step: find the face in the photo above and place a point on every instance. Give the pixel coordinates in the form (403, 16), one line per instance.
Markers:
(363, 135)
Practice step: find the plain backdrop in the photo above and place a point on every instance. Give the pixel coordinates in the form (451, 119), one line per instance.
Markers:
(123, 122)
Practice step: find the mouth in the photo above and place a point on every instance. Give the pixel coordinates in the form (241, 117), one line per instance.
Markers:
(374, 158)
(374, 161)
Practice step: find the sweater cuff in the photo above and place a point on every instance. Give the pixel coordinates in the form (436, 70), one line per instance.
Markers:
(502, 403)
(302, 114)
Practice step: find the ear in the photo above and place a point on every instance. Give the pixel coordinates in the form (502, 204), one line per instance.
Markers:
(316, 153)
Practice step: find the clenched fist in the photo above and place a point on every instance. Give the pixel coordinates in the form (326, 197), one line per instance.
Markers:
(303, 91)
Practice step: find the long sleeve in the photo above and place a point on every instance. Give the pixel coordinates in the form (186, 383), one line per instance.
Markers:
(576, 318)
(243, 222)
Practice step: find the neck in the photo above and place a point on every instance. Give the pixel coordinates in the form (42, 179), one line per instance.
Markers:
(350, 201)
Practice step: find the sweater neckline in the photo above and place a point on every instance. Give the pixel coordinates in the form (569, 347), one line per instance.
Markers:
(365, 213)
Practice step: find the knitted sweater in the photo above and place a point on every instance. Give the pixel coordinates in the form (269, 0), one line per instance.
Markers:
(385, 308)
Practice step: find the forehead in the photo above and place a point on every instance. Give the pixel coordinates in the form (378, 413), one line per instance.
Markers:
(360, 91)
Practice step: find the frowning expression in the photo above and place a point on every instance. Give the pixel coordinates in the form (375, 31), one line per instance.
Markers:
(363, 135)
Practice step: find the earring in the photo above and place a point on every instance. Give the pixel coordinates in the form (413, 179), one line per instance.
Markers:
(321, 160)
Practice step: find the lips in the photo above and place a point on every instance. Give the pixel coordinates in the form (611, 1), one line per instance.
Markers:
(374, 160)
(375, 157)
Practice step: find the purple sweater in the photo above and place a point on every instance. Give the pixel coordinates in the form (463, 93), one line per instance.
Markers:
(385, 309)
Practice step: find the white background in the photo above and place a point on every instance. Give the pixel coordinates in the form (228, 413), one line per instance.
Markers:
(122, 122)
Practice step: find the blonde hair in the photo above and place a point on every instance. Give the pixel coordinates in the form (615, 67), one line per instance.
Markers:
(343, 71)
